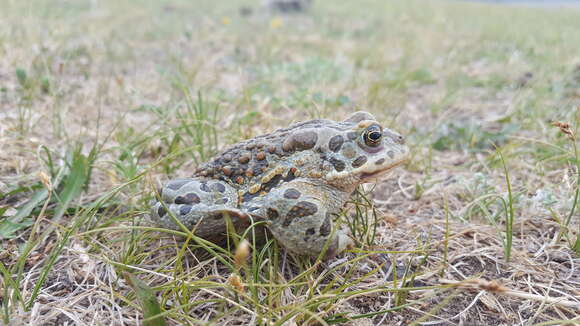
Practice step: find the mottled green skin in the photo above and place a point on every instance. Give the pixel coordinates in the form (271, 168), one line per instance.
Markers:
(296, 179)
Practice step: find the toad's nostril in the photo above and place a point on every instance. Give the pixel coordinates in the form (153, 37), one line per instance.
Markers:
(394, 136)
(399, 139)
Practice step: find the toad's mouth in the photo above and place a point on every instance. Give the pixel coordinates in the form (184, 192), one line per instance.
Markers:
(368, 177)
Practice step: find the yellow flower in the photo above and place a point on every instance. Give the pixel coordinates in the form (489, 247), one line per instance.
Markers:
(236, 282)
(45, 179)
(242, 253)
(276, 22)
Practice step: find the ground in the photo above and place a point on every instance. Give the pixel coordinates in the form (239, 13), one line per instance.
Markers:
(101, 101)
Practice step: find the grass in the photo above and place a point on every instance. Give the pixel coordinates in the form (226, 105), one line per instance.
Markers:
(509, 213)
(102, 101)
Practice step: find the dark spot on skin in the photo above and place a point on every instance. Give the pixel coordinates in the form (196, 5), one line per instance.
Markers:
(240, 180)
(249, 172)
(300, 141)
(226, 158)
(338, 164)
(161, 211)
(291, 175)
(359, 161)
(381, 161)
(260, 156)
(245, 158)
(271, 149)
(301, 209)
(218, 187)
(326, 226)
(193, 198)
(292, 194)
(335, 143)
(305, 140)
(273, 183)
(185, 209)
(179, 200)
(227, 170)
(247, 196)
(250, 146)
(221, 201)
(391, 154)
(203, 186)
(352, 135)
(310, 232)
(177, 184)
(272, 214)
(189, 199)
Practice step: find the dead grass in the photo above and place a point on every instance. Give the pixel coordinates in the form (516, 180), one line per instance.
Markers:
(123, 81)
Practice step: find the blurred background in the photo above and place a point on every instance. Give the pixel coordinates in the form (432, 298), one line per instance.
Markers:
(102, 100)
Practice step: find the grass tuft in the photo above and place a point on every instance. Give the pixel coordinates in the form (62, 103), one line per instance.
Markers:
(566, 129)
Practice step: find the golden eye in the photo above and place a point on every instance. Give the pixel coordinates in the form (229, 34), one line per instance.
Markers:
(373, 136)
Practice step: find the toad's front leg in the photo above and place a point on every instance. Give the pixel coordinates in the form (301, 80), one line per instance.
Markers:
(300, 216)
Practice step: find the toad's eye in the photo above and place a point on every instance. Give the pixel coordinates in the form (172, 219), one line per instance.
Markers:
(373, 135)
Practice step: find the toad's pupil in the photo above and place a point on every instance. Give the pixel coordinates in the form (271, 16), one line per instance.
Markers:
(375, 135)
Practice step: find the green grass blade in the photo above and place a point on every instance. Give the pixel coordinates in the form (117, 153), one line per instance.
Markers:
(509, 214)
(74, 182)
(147, 300)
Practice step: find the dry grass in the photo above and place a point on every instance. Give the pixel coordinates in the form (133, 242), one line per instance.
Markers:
(100, 101)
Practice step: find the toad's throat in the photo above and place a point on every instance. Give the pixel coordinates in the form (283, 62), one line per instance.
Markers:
(366, 176)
